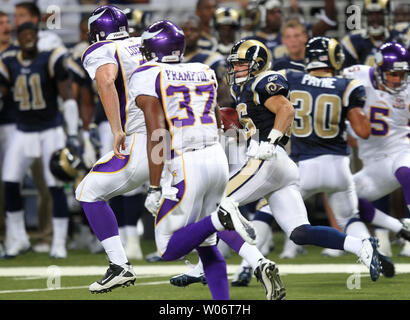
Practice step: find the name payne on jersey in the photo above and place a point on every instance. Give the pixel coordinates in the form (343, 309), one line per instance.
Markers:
(187, 76)
(319, 82)
(176, 310)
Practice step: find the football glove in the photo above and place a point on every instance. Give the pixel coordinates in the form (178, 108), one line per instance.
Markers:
(265, 151)
(89, 154)
(74, 145)
(152, 202)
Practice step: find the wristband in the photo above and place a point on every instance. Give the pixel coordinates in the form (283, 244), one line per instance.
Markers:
(274, 136)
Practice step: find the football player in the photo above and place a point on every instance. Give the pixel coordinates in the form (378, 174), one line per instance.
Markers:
(34, 79)
(360, 46)
(205, 10)
(179, 99)
(385, 155)
(29, 12)
(227, 22)
(266, 115)
(110, 61)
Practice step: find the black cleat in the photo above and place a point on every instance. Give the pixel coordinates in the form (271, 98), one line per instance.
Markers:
(268, 274)
(116, 276)
(387, 266)
(184, 280)
(243, 278)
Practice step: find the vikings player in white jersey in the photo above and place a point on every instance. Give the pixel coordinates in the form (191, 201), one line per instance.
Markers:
(179, 100)
(386, 153)
(110, 60)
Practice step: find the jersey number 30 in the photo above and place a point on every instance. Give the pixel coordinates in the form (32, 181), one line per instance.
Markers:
(324, 120)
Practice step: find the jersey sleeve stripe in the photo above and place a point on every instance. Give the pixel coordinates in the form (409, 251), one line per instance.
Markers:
(347, 44)
(93, 47)
(3, 71)
(57, 53)
(350, 87)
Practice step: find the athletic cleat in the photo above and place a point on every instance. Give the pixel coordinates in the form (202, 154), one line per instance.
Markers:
(196, 274)
(268, 274)
(232, 219)
(387, 266)
(153, 257)
(58, 252)
(242, 278)
(405, 252)
(116, 276)
(15, 248)
(404, 233)
(369, 256)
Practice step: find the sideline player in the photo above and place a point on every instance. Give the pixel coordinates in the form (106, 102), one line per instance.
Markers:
(34, 79)
(179, 100)
(385, 155)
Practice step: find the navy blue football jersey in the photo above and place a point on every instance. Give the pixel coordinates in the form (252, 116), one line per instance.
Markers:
(359, 48)
(286, 63)
(214, 60)
(33, 86)
(7, 109)
(321, 106)
(250, 98)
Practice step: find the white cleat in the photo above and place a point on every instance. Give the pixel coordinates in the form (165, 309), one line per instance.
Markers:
(268, 274)
(133, 249)
(291, 250)
(116, 276)
(58, 252)
(369, 256)
(405, 252)
(232, 219)
(384, 241)
(333, 253)
(16, 247)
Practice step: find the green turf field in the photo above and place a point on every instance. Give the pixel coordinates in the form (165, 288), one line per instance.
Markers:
(154, 284)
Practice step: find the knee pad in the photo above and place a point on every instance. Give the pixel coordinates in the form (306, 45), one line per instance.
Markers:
(301, 234)
(60, 207)
(12, 197)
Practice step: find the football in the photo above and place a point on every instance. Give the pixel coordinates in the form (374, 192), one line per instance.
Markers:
(230, 119)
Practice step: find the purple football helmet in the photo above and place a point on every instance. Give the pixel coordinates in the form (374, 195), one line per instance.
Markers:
(163, 41)
(394, 59)
(107, 23)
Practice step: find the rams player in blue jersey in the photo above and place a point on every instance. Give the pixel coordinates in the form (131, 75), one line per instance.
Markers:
(361, 45)
(34, 79)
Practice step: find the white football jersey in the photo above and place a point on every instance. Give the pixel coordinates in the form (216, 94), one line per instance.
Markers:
(389, 116)
(187, 92)
(127, 56)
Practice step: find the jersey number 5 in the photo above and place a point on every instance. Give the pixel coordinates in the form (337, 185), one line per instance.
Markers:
(22, 94)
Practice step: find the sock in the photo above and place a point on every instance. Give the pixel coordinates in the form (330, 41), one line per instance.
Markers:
(131, 231)
(215, 272)
(188, 238)
(60, 228)
(263, 230)
(321, 236)
(385, 221)
(403, 176)
(366, 210)
(15, 225)
(60, 207)
(353, 245)
(356, 228)
(232, 238)
(115, 251)
(215, 221)
(101, 218)
(123, 235)
(251, 254)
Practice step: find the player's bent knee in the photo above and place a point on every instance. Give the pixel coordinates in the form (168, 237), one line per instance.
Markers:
(300, 235)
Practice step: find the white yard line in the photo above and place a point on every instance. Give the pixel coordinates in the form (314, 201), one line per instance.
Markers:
(158, 270)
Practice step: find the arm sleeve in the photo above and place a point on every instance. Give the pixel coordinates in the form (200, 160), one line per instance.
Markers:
(141, 82)
(357, 98)
(270, 85)
(94, 58)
